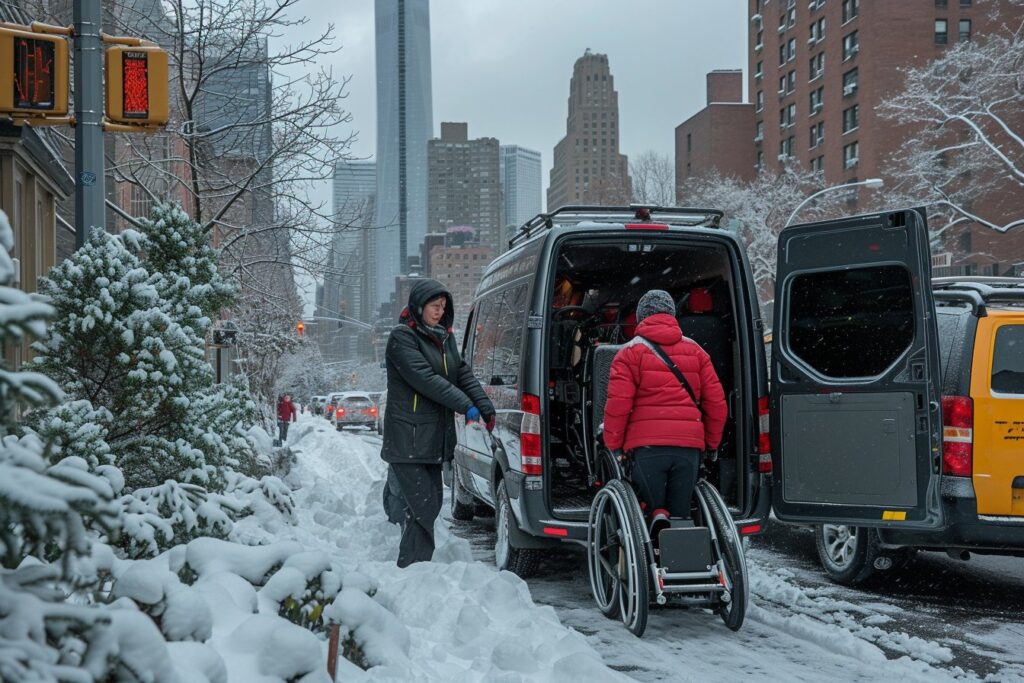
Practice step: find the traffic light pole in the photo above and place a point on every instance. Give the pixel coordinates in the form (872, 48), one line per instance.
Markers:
(90, 197)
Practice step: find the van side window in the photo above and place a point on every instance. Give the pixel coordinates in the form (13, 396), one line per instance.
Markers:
(851, 323)
(1008, 360)
(508, 347)
(485, 335)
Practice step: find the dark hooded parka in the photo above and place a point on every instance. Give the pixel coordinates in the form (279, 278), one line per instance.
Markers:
(428, 383)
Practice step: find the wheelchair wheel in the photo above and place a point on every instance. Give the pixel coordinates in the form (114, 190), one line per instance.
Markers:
(616, 559)
(731, 546)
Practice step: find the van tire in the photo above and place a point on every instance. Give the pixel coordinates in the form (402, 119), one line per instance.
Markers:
(520, 561)
(862, 547)
(462, 500)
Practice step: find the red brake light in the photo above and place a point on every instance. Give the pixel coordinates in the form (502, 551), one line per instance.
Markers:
(530, 445)
(555, 531)
(340, 412)
(957, 436)
(764, 437)
(646, 226)
(750, 529)
(372, 411)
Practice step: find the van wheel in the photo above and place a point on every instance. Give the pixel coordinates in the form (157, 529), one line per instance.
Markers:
(847, 553)
(519, 561)
(462, 500)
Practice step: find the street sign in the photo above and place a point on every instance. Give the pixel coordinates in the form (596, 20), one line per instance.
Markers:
(33, 73)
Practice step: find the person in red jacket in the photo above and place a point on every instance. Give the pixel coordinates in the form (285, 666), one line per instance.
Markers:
(651, 416)
(285, 414)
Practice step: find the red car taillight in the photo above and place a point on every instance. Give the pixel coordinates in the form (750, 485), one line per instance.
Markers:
(764, 437)
(340, 412)
(957, 436)
(372, 411)
(529, 436)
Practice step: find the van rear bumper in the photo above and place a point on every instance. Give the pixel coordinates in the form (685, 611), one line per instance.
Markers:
(965, 529)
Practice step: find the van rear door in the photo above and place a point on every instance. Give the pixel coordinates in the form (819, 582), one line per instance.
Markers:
(855, 398)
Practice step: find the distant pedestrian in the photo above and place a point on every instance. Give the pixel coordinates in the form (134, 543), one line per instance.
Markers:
(428, 383)
(286, 414)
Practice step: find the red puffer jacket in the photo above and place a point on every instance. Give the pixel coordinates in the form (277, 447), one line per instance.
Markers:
(646, 404)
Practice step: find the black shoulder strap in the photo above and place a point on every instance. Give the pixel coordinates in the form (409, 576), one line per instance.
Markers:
(672, 366)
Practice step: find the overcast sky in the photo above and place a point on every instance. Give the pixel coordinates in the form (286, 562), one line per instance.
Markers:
(504, 66)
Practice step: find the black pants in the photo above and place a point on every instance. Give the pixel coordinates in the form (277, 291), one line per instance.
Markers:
(282, 430)
(664, 477)
(421, 489)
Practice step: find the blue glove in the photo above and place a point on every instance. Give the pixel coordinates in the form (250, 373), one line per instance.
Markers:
(473, 414)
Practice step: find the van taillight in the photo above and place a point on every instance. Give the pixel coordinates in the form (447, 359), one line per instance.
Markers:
(529, 436)
(764, 437)
(957, 436)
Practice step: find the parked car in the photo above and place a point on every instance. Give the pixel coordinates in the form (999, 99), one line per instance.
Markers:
(981, 350)
(355, 409)
(317, 403)
(854, 347)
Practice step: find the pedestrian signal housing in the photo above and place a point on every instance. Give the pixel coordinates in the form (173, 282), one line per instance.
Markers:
(137, 85)
(33, 73)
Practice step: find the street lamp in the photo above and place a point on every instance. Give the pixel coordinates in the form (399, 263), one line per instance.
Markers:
(873, 183)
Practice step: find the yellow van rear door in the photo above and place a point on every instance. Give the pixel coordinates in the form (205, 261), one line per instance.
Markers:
(997, 387)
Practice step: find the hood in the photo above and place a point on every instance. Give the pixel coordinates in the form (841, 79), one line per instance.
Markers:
(661, 328)
(422, 292)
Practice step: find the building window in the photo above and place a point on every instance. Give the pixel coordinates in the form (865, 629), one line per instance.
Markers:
(782, 54)
(850, 82)
(760, 100)
(817, 134)
(782, 85)
(782, 23)
(817, 100)
(791, 81)
(965, 3)
(941, 3)
(786, 147)
(818, 164)
(760, 132)
(817, 65)
(760, 41)
(760, 71)
(851, 8)
(791, 16)
(851, 119)
(851, 45)
(965, 29)
(941, 31)
(791, 49)
(851, 154)
(760, 160)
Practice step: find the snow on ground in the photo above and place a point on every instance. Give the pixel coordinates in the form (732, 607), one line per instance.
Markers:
(458, 620)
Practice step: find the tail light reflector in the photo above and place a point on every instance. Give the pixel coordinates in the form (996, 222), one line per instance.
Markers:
(529, 436)
(957, 436)
(764, 437)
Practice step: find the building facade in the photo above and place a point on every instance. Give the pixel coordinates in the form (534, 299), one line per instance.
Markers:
(588, 168)
(459, 264)
(404, 124)
(708, 140)
(520, 173)
(463, 187)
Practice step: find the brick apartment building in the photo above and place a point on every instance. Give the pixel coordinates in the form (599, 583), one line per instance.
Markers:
(463, 185)
(819, 69)
(588, 168)
(711, 138)
(458, 264)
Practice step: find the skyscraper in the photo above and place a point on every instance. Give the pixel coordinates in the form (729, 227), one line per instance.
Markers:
(463, 187)
(521, 183)
(404, 124)
(587, 166)
(345, 286)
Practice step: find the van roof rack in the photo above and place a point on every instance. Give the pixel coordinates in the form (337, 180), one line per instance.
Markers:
(640, 213)
(979, 291)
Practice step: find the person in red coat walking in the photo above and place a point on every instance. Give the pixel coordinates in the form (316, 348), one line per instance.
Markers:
(652, 416)
(285, 415)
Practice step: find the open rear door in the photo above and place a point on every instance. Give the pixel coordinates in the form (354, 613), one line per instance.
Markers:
(855, 399)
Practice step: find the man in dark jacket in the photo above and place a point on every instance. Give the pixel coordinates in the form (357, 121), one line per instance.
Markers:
(428, 383)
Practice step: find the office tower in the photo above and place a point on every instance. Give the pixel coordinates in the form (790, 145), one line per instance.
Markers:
(520, 172)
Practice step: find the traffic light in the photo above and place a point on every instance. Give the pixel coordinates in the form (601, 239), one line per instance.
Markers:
(300, 328)
(137, 85)
(34, 71)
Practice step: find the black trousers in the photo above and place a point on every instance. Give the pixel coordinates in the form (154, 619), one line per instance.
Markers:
(421, 489)
(282, 430)
(664, 477)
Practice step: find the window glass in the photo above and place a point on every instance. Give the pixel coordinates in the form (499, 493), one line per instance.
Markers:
(850, 118)
(965, 31)
(941, 32)
(851, 323)
(1008, 360)
(948, 323)
(509, 321)
(485, 337)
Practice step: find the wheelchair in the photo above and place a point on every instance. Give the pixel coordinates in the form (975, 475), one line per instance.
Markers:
(698, 563)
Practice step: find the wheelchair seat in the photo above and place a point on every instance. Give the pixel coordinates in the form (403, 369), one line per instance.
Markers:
(600, 372)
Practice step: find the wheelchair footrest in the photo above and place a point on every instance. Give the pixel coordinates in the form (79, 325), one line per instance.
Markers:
(685, 549)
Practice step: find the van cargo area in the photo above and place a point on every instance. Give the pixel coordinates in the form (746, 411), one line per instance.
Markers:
(596, 286)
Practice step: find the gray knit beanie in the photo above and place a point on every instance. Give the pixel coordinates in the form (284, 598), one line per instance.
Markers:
(655, 301)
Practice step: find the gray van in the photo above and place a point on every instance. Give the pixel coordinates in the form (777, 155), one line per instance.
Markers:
(861, 437)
